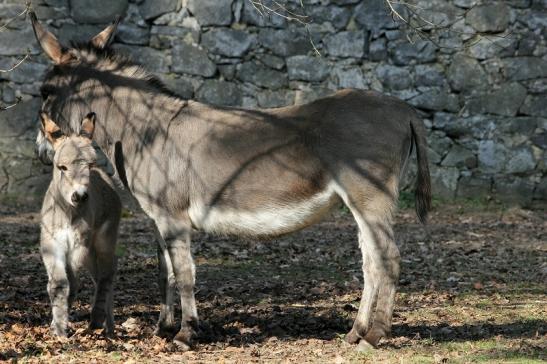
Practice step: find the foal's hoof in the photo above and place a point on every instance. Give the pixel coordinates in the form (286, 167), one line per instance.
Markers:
(374, 336)
(184, 339)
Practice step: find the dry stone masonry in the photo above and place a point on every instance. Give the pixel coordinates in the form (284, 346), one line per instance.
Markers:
(484, 98)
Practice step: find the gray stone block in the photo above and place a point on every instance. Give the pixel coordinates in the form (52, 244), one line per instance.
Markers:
(152, 59)
(489, 18)
(211, 12)
(520, 160)
(444, 181)
(17, 120)
(192, 60)
(130, 34)
(514, 190)
(466, 74)
(460, 157)
(394, 78)
(151, 9)
(335, 15)
(378, 50)
(307, 68)
(18, 42)
(524, 68)
(285, 42)
(405, 53)
(428, 75)
(505, 101)
(535, 105)
(374, 16)
(346, 44)
(228, 42)
(97, 11)
(262, 76)
(349, 77)
(492, 156)
(220, 93)
(436, 99)
(474, 185)
(279, 98)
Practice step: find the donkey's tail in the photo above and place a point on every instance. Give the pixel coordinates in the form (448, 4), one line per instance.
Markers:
(422, 195)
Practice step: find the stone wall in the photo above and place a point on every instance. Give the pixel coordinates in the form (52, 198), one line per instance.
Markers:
(483, 97)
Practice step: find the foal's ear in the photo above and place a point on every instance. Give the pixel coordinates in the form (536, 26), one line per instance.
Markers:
(49, 43)
(103, 39)
(88, 126)
(51, 130)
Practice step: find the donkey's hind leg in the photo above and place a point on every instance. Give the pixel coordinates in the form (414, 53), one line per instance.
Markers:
(380, 266)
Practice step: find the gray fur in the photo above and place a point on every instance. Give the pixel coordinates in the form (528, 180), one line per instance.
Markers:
(81, 234)
(257, 173)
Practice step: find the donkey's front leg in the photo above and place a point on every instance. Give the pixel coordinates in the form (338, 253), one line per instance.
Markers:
(167, 284)
(176, 235)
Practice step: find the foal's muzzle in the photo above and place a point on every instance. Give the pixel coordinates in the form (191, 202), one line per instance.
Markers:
(78, 198)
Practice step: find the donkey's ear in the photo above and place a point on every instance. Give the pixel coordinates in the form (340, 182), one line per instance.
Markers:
(49, 43)
(103, 39)
(88, 126)
(51, 130)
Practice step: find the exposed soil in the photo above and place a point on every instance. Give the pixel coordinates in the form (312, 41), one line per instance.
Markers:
(472, 289)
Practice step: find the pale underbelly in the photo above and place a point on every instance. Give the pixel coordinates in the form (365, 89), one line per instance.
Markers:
(266, 221)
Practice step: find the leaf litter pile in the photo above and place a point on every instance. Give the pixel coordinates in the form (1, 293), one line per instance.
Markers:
(472, 289)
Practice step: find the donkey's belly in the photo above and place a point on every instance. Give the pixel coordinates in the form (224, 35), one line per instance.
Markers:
(266, 221)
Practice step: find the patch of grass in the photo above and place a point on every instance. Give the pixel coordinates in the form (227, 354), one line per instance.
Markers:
(406, 200)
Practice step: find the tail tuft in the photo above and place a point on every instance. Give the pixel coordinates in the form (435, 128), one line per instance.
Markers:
(422, 195)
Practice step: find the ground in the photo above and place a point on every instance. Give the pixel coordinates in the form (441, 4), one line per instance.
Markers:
(472, 289)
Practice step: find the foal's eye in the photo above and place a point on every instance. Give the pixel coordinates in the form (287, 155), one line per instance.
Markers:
(62, 168)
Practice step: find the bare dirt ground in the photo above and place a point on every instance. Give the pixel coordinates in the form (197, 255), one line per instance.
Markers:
(472, 289)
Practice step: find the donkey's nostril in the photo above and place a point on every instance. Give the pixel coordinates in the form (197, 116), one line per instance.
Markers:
(77, 198)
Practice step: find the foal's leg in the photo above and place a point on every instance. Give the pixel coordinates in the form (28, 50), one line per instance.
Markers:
(167, 284)
(58, 287)
(104, 273)
(176, 234)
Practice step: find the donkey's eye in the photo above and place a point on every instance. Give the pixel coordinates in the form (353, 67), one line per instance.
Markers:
(62, 168)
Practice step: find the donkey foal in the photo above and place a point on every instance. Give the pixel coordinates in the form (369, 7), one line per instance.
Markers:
(80, 218)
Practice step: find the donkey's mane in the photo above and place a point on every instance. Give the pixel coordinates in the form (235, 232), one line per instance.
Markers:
(108, 59)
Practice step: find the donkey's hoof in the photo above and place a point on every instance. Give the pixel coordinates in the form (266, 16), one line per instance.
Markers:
(364, 346)
(352, 337)
(184, 339)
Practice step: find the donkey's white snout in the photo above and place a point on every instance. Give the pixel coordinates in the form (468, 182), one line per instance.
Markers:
(79, 195)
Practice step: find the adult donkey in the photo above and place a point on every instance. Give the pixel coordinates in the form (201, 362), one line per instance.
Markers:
(254, 173)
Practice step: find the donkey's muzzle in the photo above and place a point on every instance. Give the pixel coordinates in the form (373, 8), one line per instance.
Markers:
(79, 197)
